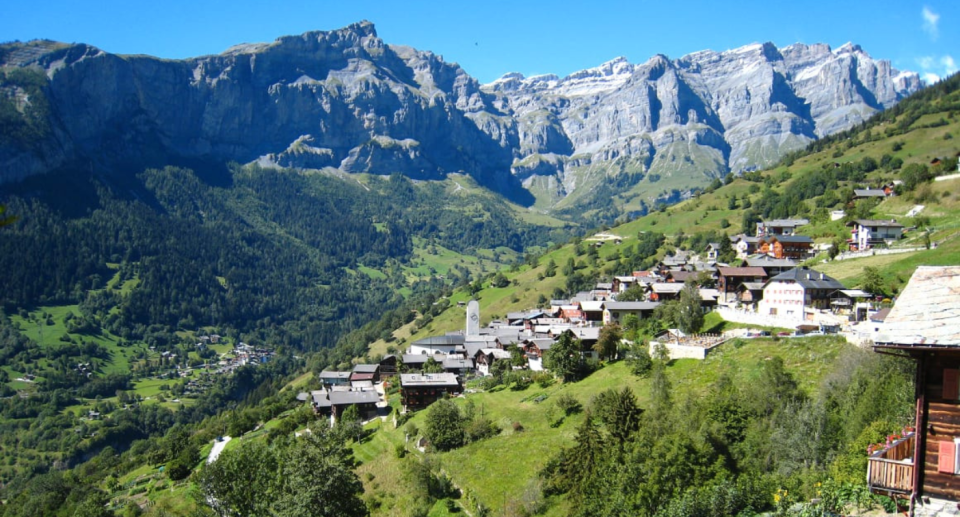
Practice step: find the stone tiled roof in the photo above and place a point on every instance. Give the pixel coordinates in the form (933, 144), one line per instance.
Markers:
(927, 313)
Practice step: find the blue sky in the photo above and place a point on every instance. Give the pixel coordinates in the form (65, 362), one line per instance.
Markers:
(494, 37)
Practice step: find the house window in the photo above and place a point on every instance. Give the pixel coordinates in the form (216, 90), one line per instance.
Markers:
(947, 458)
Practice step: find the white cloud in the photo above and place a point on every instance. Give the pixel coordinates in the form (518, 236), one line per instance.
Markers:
(930, 21)
(932, 68)
(949, 65)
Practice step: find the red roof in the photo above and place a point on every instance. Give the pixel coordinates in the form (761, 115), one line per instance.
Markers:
(361, 377)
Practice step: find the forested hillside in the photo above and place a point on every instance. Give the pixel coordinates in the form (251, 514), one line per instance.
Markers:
(112, 282)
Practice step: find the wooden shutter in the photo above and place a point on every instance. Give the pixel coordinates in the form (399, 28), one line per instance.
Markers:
(947, 457)
(951, 383)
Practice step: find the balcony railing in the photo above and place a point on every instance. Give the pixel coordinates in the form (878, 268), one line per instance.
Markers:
(891, 469)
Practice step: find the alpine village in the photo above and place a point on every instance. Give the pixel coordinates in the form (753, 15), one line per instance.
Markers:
(330, 276)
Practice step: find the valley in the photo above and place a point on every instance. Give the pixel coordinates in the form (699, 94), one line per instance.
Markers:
(192, 286)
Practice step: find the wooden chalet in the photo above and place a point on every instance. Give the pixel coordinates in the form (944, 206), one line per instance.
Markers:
(486, 357)
(924, 325)
(535, 350)
(331, 378)
(389, 365)
(785, 246)
(731, 278)
(419, 391)
(365, 372)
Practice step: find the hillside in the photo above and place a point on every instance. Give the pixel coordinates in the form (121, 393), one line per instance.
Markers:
(896, 145)
(508, 472)
(111, 284)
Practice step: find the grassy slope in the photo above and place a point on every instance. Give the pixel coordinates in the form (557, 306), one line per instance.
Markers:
(499, 469)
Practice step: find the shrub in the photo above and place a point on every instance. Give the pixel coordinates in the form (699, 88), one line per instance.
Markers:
(568, 404)
(544, 379)
(480, 429)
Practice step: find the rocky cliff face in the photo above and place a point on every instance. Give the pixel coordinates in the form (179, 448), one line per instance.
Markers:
(346, 100)
(725, 111)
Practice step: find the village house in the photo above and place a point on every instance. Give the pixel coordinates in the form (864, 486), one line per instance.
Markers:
(867, 233)
(436, 345)
(785, 246)
(731, 278)
(869, 193)
(713, 251)
(415, 362)
(744, 245)
(486, 357)
(458, 365)
(924, 324)
(681, 276)
(780, 227)
(771, 266)
(591, 310)
(365, 372)
(336, 401)
(535, 349)
(588, 337)
(750, 293)
(614, 312)
(389, 365)
(419, 391)
(790, 295)
(329, 378)
(665, 291)
(521, 318)
(853, 303)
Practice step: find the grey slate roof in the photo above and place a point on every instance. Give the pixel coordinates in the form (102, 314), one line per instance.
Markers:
(869, 192)
(877, 222)
(327, 374)
(768, 261)
(631, 306)
(543, 343)
(448, 340)
(667, 287)
(808, 278)
(428, 379)
(927, 313)
(422, 358)
(340, 398)
(786, 223)
(457, 363)
(366, 368)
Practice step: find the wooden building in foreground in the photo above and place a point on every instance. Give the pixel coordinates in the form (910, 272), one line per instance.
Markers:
(924, 324)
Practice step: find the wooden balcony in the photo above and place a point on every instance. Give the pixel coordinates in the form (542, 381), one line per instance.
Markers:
(890, 470)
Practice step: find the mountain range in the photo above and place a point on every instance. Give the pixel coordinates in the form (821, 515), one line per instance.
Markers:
(344, 101)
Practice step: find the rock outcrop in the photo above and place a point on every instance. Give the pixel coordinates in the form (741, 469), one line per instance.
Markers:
(728, 111)
(345, 100)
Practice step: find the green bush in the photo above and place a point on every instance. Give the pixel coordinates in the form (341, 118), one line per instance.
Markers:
(480, 429)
